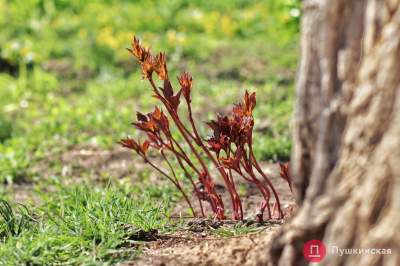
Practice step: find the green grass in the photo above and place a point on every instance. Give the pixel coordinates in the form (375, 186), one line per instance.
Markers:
(80, 225)
(236, 230)
(13, 220)
(67, 82)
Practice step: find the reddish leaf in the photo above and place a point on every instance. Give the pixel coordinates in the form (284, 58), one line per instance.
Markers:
(285, 173)
(134, 145)
(160, 66)
(175, 100)
(167, 89)
(185, 80)
(141, 117)
(145, 146)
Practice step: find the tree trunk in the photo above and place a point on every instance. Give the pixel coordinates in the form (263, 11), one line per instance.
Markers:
(346, 158)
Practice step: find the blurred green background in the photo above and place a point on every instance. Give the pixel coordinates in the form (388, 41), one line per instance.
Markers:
(67, 80)
(69, 89)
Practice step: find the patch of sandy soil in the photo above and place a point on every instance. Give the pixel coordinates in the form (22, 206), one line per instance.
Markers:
(180, 250)
(22, 193)
(117, 162)
(91, 163)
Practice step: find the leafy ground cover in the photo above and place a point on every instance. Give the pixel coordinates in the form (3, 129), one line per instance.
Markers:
(68, 90)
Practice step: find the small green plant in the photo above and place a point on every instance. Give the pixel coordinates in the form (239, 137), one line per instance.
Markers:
(13, 221)
(5, 129)
(229, 148)
(236, 230)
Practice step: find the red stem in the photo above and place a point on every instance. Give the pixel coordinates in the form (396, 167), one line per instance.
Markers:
(259, 169)
(264, 190)
(183, 130)
(235, 198)
(193, 184)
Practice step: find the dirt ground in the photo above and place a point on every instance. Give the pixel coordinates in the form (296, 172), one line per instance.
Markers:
(241, 250)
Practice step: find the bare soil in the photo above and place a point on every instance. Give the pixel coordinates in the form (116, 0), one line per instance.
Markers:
(198, 250)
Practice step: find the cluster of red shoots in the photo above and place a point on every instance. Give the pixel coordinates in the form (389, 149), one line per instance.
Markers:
(229, 148)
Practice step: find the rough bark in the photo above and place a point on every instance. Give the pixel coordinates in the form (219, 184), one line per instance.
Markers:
(346, 158)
